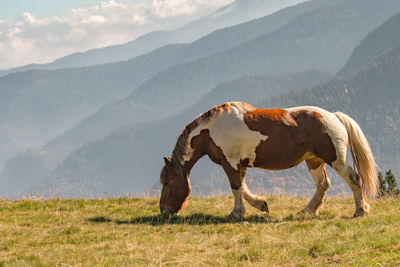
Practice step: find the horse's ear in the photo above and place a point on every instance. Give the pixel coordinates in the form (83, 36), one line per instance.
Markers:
(167, 162)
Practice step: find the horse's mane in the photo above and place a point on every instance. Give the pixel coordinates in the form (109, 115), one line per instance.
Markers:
(182, 147)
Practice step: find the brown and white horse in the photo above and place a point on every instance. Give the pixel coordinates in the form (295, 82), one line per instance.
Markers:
(237, 135)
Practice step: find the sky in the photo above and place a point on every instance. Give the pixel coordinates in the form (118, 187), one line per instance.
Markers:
(39, 31)
(10, 9)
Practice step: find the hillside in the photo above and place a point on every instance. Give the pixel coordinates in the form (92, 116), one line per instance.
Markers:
(235, 13)
(129, 159)
(130, 232)
(40, 105)
(382, 38)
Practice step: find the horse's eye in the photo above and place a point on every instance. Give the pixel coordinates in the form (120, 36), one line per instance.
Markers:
(165, 183)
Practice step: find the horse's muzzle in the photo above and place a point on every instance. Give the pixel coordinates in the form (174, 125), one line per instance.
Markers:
(168, 212)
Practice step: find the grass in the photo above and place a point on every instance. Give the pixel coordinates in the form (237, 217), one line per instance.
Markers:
(124, 231)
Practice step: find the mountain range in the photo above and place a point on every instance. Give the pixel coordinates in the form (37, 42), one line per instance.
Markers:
(337, 54)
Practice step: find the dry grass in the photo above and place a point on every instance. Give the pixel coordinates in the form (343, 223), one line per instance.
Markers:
(121, 232)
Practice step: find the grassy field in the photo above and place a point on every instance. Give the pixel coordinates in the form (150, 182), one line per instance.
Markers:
(124, 231)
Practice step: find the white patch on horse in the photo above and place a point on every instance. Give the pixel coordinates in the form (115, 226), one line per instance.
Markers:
(230, 133)
(239, 209)
(333, 127)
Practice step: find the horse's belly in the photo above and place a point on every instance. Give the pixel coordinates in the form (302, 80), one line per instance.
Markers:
(281, 153)
(281, 162)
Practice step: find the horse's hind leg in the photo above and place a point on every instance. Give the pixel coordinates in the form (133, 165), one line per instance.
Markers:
(240, 191)
(353, 180)
(317, 169)
(257, 202)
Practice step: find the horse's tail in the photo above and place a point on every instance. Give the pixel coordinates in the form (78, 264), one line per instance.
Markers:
(361, 153)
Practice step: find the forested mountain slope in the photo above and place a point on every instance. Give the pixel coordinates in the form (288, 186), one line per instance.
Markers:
(382, 38)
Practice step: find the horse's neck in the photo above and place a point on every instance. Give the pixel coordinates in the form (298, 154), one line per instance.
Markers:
(187, 166)
(186, 153)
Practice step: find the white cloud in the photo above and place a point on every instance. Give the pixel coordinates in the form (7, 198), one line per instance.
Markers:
(30, 39)
(95, 19)
(29, 18)
(173, 8)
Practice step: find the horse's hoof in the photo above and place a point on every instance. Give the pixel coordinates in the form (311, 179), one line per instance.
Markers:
(264, 206)
(236, 216)
(363, 211)
(308, 212)
(360, 213)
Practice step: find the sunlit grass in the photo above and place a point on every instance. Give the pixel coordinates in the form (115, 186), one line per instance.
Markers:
(124, 231)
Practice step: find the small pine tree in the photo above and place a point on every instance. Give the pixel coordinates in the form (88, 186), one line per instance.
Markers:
(391, 182)
(387, 185)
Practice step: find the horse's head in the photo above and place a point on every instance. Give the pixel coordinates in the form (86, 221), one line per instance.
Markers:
(175, 188)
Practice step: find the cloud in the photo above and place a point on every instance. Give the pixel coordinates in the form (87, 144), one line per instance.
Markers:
(29, 39)
(173, 8)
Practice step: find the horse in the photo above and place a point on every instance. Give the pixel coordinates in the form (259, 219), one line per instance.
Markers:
(237, 136)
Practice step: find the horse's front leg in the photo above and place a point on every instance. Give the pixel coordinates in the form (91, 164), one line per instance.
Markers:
(239, 209)
(235, 181)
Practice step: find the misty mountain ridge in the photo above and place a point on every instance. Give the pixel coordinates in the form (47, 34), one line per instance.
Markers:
(323, 37)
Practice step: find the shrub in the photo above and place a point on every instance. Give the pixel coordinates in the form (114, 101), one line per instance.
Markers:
(387, 184)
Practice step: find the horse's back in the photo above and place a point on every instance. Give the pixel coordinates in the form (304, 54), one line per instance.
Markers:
(294, 135)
